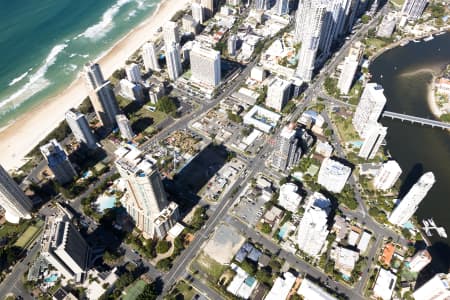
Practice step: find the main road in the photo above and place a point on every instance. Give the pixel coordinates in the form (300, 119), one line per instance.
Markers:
(255, 166)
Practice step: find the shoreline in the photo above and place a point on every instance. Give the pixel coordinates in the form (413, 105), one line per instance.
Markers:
(25, 132)
(431, 99)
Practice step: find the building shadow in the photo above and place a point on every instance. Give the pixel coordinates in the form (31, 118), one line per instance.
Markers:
(412, 177)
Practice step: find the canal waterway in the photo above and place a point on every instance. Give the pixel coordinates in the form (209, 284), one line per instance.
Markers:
(405, 74)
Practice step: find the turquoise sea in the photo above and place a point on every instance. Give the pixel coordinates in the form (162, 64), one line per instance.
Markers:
(44, 44)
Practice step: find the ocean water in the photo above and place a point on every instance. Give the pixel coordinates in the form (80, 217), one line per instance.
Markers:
(44, 44)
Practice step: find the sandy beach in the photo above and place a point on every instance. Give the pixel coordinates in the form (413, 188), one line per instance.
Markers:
(432, 101)
(27, 131)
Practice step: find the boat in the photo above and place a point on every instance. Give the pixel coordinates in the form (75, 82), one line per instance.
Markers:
(440, 33)
(404, 43)
(416, 41)
(429, 225)
(428, 38)
(381, 76)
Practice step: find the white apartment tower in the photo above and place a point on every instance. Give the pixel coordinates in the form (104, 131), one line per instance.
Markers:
(101, 95)
(149, 56)
(437, 288)
(171, 33)
(369, 108)
(231, 45)
(372, 142)
(93, 75)
(80, 128)
(124, 127)
(282, 7)
(64, 248)
(262, 4)
(419, 261)
(198, 12)
(278, 93)
(173, 60)
(413, 9)
(333, 24)
(387, 176)
(208, 8)
(351, 64)
(409, 204)
(133, 73)
(13, 199)
(288, 149)
(58, 162)
(145, 198)
(205, 65)
(309, 27)
(313, 228)
(333, 175)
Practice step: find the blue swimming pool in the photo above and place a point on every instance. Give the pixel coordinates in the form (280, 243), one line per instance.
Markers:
(357, 144)
(51, 278)
(105, 202)
(282, 232)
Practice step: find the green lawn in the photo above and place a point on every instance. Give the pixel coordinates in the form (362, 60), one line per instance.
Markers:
(182, 289)
(141, 118)
(26, 237)
(345, 128)
(398, 3)
(375, 43)
(210, 267)
(134, 290)
(9, 229)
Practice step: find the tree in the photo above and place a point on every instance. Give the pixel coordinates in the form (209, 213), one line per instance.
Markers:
(166, 105)
(365, 19)
(150, 292)
(111, 258)
(119, 74)
(263, 275)
(266, 228)
(163, 246)
(124, 280)
(164, 264)
(248, 267)
(329, 267)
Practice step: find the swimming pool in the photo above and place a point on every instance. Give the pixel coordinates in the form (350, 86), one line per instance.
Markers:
(51, 278)
(105, 202)
(283, 231)
(357, 144)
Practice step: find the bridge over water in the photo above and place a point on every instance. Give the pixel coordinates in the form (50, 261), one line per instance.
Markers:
(417, 120)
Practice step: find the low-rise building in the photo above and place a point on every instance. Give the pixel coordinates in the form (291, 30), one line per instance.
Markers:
(289, 199)
(388, 253)
(385, 284)
(273, 215)
(324, 148)
(311, 291)
(387, 25)
(345, 260)
(258, 74)
(437, 288)
(242, 284)
(419, 261)
(364, 242)
(333, 175)
(281, 287)
(261, 118)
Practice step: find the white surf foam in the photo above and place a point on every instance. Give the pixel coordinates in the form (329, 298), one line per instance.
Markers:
(100, 29)
(37, 81)
(18, 78)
